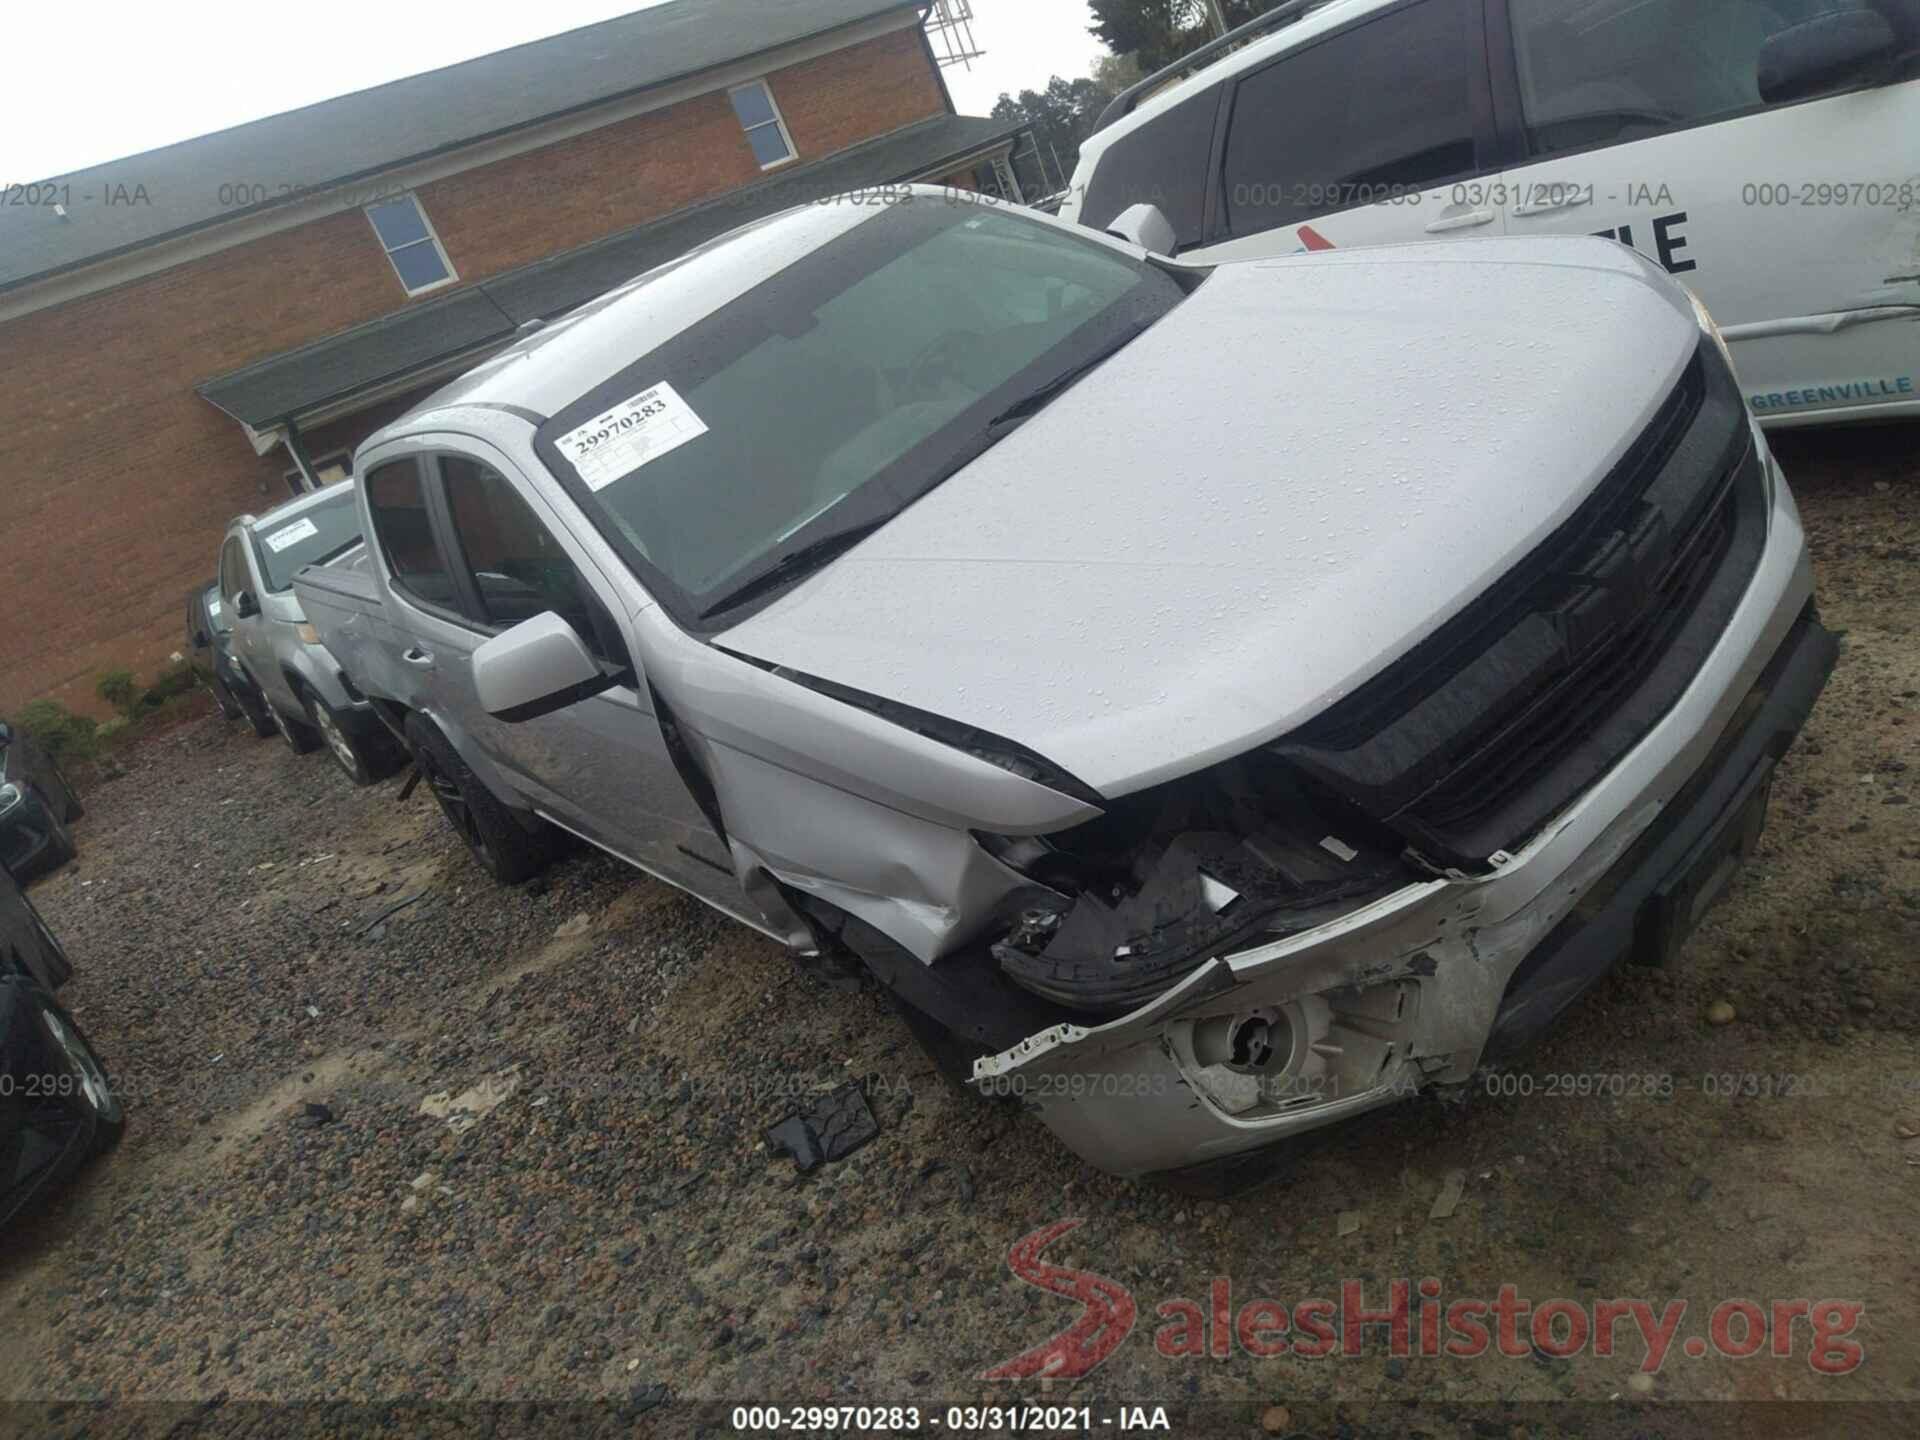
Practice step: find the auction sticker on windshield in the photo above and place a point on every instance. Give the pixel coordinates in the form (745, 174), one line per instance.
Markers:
(617, 443)
(291, 534)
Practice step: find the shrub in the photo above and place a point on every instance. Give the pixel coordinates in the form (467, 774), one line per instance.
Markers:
(175, 679)
(118, 689)
(61, 733)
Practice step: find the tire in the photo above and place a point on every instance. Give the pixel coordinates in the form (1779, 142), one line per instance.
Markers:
(363, 759)
(70, 1042)
(60, 847)
(300, 736)
(503, 847)
(70, 807)
(224, 699)
(258, 716)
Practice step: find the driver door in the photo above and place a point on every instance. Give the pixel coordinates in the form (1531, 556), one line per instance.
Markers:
(600, 766)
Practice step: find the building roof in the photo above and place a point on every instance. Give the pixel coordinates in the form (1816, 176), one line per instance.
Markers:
(386, 351)
(285, 157)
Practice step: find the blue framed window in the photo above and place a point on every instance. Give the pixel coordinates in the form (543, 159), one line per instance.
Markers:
(414, 250)
(760, 118)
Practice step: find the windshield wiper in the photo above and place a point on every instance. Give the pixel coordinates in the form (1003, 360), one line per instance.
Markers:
(1036, 400)
(795, 562)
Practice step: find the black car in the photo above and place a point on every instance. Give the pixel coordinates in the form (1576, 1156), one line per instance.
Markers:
(210, 655)
(36, 807)
(57, 1106)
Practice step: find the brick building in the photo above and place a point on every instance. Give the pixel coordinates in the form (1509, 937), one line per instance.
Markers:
(192, 332)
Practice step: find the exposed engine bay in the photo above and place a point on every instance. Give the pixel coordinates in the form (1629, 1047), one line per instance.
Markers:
(1229, 857)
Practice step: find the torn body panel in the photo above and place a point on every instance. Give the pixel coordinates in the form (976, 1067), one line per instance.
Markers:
(846, 806)
(927, 886)
(1237, 853)
(1857, 364)
(1827, 326)
(1264, 1043)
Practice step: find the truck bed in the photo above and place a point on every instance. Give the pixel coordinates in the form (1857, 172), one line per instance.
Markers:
(342, 601)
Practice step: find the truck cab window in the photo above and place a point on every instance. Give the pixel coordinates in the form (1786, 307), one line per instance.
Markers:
(405, 533)
(519, 569)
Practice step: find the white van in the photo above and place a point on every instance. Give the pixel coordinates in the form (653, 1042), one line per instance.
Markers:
(1766, 152)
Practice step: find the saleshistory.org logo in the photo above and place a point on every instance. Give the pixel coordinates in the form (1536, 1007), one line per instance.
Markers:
(1414, 1319)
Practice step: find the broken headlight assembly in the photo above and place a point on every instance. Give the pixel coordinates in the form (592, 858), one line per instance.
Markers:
(1218, 861)
(1265, 1061)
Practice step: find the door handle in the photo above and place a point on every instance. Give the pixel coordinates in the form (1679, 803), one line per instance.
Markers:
(1464, 221)
(1566, 200)
(414, 655)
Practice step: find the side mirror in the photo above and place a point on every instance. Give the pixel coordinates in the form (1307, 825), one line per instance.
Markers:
(6, 733)
(244, 605)
(1823, 53)
(200, 641)
(535, 668)
(1145, 226)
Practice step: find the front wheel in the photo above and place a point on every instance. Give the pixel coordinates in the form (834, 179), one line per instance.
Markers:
(60, 847)
(505, 849)
(301, 737)
(253, 705)
(88, 1075)
(363, 759)
(223, 699)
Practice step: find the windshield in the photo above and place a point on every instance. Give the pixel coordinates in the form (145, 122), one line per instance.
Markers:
(836, 392)
(217, 611)
(285, 543)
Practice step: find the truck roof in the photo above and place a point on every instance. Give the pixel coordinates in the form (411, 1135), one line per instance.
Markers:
(555, 364)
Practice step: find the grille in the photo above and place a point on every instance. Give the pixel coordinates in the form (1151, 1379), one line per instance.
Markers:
(1470, 743)
(1535, 739)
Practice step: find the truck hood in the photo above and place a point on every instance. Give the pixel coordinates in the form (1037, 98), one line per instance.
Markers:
(1281, 488)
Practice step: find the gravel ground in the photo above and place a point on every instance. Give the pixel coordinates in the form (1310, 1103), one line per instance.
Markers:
(541, 1175)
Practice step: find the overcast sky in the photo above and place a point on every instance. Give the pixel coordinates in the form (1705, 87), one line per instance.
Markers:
(135, 77)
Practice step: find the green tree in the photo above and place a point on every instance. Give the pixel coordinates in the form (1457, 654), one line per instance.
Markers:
(1158, 32)
(1060, 117)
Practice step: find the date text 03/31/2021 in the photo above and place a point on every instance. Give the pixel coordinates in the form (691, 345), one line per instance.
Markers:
(1009, 1419)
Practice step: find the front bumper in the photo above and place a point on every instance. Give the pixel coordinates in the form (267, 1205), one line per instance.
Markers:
(45, 1133)
(1421, 986)
(26, 832)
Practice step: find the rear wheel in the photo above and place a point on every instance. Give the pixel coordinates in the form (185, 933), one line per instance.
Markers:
(301, 737)
(505, 849)
(363, 759)
(89, 1076)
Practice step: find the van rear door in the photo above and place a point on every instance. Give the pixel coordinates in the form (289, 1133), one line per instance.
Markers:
(1796, 219)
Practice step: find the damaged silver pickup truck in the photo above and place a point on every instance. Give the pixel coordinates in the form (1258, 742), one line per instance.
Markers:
(1213, 701)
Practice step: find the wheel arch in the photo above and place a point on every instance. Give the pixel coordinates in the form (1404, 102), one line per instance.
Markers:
(475, 760)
